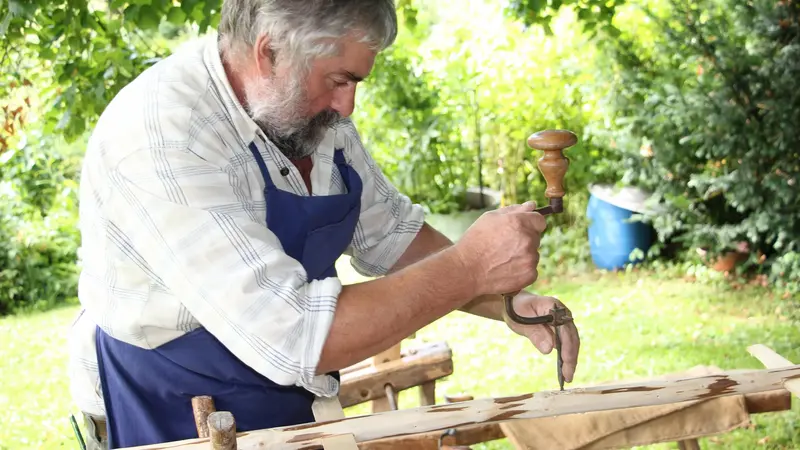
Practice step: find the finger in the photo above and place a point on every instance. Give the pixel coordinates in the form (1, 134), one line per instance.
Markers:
(542, 337)
(524, 207)
(570, 348)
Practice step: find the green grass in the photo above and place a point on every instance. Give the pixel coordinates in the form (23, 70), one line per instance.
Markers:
(632, 325)
(34, 394)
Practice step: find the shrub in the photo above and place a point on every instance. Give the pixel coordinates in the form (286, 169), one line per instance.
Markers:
(38, 228)
(705, 111)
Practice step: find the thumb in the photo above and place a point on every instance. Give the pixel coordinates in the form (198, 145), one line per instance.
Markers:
(530, 205)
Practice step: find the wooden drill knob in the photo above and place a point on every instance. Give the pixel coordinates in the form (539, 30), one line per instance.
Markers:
(553, 164)
(552, 140)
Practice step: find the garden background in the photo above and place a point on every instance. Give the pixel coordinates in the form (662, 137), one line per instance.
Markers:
(695, 102)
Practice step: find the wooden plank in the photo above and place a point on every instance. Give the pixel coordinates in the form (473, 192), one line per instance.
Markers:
(404, 352)
(368, 383)
(766, 402)
(772, 360)
(467, 435)
(494, 410)
(756, 403)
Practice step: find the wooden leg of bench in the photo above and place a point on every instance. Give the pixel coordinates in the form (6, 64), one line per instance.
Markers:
(222, 430)
(427, 393)
(689, 444)
(384, 404)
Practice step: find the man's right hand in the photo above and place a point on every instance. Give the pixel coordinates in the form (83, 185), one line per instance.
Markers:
(500, 251)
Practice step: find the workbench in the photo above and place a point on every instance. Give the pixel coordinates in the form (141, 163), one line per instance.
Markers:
(682, 423)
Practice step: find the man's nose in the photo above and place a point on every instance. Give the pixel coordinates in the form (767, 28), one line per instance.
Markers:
(344, 99)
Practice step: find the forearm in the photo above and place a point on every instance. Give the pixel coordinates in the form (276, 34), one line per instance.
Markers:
(430, 240)
(487, 306)
(372, 316)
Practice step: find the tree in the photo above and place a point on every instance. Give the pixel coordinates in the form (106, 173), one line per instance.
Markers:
(64, 60)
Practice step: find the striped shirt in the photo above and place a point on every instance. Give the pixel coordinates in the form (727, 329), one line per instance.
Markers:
(174, 235)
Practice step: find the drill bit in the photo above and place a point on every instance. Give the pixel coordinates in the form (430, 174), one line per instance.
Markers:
(559, 360)
(558, 316)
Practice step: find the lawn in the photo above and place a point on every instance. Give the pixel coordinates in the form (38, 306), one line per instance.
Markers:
(632, 325)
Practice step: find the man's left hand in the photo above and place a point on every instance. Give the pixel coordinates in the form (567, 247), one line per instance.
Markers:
(543, 336)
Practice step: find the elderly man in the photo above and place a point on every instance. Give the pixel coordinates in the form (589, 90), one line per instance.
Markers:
(219, 189)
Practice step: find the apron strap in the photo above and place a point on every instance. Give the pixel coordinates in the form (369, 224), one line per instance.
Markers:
(338, 157)
(262, 166)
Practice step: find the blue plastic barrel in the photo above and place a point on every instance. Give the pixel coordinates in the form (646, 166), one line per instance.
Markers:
(613, 237)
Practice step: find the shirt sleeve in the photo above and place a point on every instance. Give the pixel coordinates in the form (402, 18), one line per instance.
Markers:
(194, 223)
(389, 221)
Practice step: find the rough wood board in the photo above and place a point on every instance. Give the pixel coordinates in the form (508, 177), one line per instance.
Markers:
(430, 363)
(759, 402)
(772, 360)
(494, 410)
(468, 435)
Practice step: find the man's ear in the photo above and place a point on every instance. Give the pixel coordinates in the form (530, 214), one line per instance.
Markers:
(264, 56)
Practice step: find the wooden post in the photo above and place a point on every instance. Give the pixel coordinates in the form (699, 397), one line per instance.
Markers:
(222, 428)
(202, 407)
(384, 403)
(690, 444)
(427, 393)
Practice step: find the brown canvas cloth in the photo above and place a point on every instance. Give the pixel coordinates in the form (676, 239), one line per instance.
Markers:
(631, 427)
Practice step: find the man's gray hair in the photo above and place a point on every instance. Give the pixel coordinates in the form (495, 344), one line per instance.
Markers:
(306, 29)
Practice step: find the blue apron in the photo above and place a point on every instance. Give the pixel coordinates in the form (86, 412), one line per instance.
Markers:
(148, 393)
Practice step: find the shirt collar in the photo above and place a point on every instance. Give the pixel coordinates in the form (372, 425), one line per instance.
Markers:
(245, 126)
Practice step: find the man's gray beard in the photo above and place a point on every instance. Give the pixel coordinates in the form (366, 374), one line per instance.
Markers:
(278, 110)
(304, 141)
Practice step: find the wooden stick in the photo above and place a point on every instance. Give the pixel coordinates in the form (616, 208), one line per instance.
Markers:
(427, 393)
(493, 410)
(385, 403)
(773, 360)
(222, 428)
(202, 407)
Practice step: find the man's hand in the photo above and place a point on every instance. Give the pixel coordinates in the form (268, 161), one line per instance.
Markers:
(500, 251)
(543, 336)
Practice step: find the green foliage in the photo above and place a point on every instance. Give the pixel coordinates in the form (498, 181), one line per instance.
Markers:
(705, 101)
(77, 54)
(412, 137)
(38, 228)
(452, 104)
(61, 62)
(594, 14)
